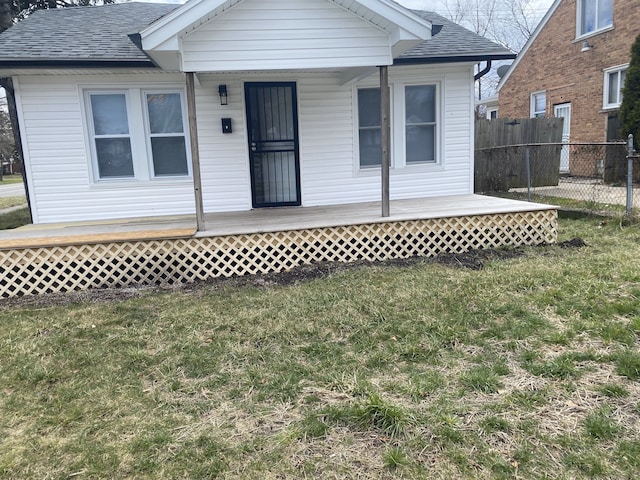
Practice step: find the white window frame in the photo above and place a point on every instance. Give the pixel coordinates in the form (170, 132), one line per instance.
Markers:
(149, 135)
(607, 80)
(398, 127)
(137, 117)
(91, 133)
(438, 122)
(532, 105)
(356, 102)
(598, 28)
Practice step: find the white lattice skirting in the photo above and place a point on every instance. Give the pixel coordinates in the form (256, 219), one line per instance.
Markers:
(32, 271)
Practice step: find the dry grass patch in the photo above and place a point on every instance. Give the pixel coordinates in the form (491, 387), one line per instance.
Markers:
(525, 368)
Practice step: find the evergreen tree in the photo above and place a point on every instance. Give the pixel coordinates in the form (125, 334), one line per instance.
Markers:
(630, 108)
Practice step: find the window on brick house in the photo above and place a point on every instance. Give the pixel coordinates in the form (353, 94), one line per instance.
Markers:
(594, 15)
(613, 84)
(538, 104)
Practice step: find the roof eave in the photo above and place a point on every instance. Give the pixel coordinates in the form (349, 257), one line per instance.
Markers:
(400, 16)
(466, 58)
(73, 63)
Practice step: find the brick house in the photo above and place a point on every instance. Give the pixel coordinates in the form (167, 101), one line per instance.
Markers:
(573, 66)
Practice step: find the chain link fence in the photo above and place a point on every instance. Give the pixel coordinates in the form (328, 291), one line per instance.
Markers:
(591, 177)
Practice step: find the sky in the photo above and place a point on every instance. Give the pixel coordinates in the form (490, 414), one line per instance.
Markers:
(541, 6)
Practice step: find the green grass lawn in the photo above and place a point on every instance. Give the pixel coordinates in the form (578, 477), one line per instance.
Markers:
(11, 179)
(528, 368)
(6, 202)
(15, 219)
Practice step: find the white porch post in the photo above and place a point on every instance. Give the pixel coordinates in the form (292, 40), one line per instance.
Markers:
(385, 136)
(195, 151)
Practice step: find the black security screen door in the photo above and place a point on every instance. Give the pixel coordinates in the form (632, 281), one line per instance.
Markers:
(272, 121)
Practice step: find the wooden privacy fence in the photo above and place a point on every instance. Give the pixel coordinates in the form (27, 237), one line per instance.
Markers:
(498, 167)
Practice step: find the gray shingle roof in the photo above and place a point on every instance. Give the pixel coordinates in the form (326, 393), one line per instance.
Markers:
(100, 34)
(451, 41)
(81, 33)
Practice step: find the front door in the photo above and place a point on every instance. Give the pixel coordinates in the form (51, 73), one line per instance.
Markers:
(564, 111)
(272, 125)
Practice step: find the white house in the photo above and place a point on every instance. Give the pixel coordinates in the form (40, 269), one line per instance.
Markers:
(286, 94)
(139, 118)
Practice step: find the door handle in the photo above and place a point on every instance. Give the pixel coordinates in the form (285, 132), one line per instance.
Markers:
(254, 147)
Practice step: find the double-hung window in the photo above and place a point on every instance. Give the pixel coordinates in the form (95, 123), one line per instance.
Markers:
(613, 85)
(111, 137)
(136, 134)
(369, 127)
(420, 123)
(538, 104)
(166, 130)
(594, 15)
(414, 122)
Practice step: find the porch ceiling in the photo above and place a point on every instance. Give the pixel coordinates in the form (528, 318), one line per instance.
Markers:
(259, 221)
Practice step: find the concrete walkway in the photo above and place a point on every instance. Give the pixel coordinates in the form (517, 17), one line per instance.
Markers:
(11, 190)
(587, 190)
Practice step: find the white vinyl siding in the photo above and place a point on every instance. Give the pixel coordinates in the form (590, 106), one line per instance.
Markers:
(281, 34)
(58, 153)
(329, 153)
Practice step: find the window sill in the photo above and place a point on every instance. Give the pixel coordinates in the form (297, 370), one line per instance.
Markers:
(369, 171)
(609, 109)
(407, 169)
(123, 183)
(424, 167)
(592, 34)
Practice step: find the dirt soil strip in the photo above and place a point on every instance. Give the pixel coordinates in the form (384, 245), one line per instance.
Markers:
(473, 260)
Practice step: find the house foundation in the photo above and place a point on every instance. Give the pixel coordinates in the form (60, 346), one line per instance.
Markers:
(62, 268)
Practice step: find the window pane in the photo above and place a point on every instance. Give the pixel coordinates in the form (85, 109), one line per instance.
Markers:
(114, 157)
(169, 156)
(165, 113)
(420, 103)
(110, 114)
(613, 87)
(369, 107)
(421, 144)
(540, 100)
(588, 16)
(370, 148)
(605, 13)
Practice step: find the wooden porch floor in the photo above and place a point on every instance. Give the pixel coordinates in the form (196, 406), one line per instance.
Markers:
(258, 221)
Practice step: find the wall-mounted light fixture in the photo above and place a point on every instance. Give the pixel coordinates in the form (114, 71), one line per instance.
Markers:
(222, 91)
(585, 46)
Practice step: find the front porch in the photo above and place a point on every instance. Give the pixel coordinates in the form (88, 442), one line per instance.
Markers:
(163, 250)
